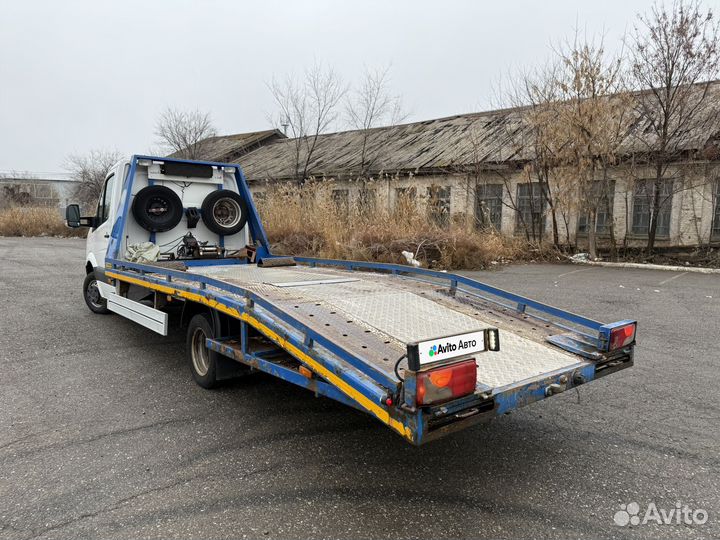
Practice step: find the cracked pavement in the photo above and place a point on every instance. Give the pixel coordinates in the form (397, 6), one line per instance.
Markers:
(103, 434)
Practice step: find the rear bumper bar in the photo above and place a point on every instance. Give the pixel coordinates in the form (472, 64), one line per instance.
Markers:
(444, 419)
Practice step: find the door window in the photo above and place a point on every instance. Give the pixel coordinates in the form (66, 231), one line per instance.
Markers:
(103, 212)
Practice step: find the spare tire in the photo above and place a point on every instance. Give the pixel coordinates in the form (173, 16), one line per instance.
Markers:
(224, 212)
(157, 208)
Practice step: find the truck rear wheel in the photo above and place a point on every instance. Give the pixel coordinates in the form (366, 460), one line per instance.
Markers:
(203, 361)
(91, 294)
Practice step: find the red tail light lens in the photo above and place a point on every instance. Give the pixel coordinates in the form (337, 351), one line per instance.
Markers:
(622, 336)
(446, 383)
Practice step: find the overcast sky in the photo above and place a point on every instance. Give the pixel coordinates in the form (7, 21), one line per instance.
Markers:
(78, 75)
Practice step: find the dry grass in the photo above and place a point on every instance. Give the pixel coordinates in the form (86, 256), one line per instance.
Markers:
(28, 221)
(307, 221)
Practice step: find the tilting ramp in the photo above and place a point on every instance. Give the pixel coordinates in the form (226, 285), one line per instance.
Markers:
(375, 316)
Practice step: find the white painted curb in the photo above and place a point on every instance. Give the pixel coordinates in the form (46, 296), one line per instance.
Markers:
(696, 269)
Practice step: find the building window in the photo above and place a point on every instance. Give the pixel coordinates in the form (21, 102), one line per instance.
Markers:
(604, 194)
(43, 191)
(341, 200)
(716, 215)
(643, 205)
(367, 201)
(530, 207)
(488, 206)
(439, 204)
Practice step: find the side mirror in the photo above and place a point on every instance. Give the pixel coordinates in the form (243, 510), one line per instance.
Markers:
(72, 216)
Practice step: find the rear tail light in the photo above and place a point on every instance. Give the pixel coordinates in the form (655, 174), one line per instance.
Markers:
(622, 336)
(446, 383)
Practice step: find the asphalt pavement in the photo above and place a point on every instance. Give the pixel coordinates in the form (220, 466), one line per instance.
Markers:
(103, 433)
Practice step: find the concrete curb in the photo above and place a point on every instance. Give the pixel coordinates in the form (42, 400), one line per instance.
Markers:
(695, 269)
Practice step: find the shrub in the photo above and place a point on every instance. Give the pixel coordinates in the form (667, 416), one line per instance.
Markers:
(308, 220)
(33, 221)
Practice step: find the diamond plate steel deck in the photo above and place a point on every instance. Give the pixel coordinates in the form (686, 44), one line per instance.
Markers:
(374, 316)
(407, 316)
(369, 342)
(250, 273)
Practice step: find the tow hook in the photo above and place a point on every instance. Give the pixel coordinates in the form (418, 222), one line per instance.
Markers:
(553, 389)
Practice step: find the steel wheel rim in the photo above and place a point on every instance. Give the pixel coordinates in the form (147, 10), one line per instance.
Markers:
(200, 357)
(227, 212)
(92, 293)
(157, 208)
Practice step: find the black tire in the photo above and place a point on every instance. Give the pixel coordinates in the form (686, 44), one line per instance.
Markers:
(91, 294)
(224, 212)
(203, 362)
(157, 208)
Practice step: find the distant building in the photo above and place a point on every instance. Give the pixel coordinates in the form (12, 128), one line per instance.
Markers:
(39, 189)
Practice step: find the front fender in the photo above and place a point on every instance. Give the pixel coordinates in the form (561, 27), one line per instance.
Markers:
(92, 260)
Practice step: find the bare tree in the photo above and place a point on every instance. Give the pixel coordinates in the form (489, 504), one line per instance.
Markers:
(590, 124)
(308, 107)
(674, 57)
(184, 132)
(536, 94)
(90, 171)
(482, 177)
(372, 105)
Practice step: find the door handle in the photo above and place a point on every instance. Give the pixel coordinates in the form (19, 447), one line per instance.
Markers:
(107, 236)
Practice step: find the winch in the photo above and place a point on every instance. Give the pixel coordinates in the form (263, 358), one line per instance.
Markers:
(191, 248)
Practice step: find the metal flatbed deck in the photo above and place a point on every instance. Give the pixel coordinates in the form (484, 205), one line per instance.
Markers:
(375, 316)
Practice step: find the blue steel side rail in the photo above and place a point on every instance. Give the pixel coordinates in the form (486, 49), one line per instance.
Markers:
(251, 298)
(601, 331)
(287, 374)
(400, 269)
(257, 231)
(588, 338)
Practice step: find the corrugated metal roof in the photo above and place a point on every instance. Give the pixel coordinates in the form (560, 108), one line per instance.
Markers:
(488, 138)
(419, 146)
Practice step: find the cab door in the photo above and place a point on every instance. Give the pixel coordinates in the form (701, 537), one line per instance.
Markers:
(99, 236)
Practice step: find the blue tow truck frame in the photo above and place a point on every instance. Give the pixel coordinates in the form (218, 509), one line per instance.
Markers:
(337, 372)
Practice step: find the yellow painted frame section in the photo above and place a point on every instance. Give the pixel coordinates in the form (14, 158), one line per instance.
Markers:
(345, 388)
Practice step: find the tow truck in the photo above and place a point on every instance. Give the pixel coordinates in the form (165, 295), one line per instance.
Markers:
(425, 352)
